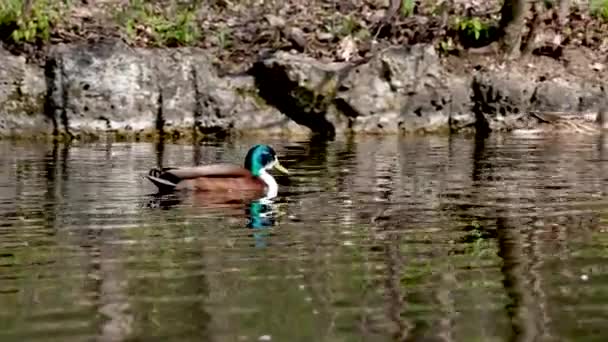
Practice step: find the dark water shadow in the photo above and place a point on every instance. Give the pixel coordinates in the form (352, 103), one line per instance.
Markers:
(307, 154)
(602, 156)
(479, 159)
(160, 152)
(506, 236)
(511, 234)
(163, 201)
(56, 172)
(523, 309)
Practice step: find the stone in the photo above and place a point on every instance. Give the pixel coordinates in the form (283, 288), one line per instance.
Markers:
(502, 99)
(274, 20)
(111, 86)
(506, 98)
(22, 97)
(401, 90)
(404, 90)
(103, 87)
(559, 94)
(300, 87)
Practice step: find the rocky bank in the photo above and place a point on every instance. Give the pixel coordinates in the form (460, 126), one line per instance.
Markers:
(87, 89)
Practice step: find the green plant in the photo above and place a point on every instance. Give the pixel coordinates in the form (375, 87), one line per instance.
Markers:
(407, 7)
(348, 26)
(599, 8)
(363, 34)
(36, 24)
(182, 29)
(446, 45)
(224, 38)
(472, 27)
(474, 31)
(9, 12)
(163, 28)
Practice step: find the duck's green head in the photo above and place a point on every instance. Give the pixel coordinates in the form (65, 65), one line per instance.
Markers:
(262, 157)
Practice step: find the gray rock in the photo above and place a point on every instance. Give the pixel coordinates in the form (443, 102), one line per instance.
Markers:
(405, 90)
(505, 99)
(400, 90)
(502, 99)
(22, 97)
(234, 103)
(562, 95)
(300, 87)
(110, 86)
(104, 87)
(114, 87)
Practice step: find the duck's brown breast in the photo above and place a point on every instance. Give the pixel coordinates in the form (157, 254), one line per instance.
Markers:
(223, 184)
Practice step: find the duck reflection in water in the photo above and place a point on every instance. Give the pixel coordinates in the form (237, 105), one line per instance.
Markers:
(260, 214)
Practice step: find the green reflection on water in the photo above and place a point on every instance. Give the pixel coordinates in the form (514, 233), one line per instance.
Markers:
(370, 239)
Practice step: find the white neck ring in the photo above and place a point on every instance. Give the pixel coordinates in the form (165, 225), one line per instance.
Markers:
(272, 186)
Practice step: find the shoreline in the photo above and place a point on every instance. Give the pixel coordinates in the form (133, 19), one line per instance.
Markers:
(108, 85)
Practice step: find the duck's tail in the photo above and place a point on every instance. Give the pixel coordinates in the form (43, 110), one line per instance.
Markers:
(158, 178)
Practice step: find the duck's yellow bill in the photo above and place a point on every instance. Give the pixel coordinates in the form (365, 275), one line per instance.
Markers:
(280, 167)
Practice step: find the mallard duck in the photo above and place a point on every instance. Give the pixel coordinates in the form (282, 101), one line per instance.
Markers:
(225, 179)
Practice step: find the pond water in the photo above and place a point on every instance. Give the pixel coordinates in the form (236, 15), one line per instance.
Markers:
(370, 239)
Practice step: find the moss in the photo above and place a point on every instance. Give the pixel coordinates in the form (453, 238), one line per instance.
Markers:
(329, 88)
(599, 8)
(174, 25)
(252, 93)
(312, 101)
(124, 136)
(35, 25)
(177, 136)
(443, 130)
(475, 32)
(305, 98)
(29, 137)
(17, 103)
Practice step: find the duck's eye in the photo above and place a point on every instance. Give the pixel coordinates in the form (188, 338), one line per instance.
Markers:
(266, 158)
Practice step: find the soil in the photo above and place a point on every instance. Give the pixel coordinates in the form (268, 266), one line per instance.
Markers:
(237, 32)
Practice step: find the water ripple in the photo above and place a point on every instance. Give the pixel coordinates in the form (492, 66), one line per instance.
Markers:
(371, 238)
